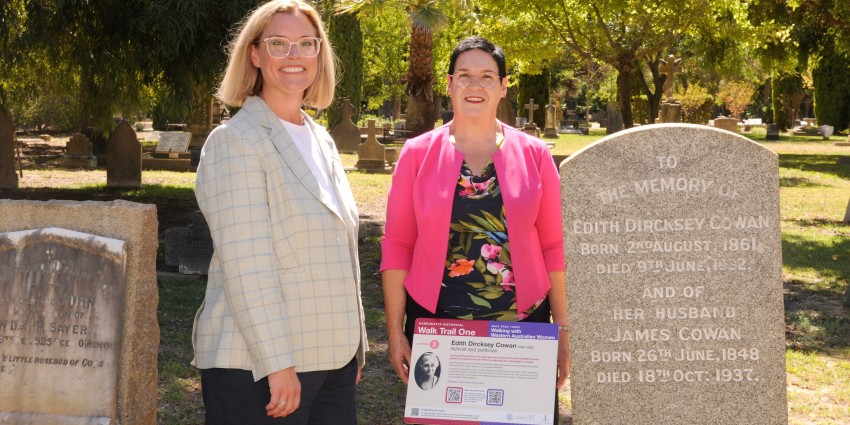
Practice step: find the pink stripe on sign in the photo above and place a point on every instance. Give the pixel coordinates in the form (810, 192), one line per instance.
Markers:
(452, 327)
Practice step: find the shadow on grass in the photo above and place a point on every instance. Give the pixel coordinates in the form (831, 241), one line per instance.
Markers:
(827, 164)
(815, 315)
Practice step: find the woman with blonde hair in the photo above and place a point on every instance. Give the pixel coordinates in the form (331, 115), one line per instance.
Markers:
(280, 337)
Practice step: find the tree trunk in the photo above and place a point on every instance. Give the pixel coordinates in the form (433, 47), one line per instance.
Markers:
(655, 93)
(420, 115)
(624, 93)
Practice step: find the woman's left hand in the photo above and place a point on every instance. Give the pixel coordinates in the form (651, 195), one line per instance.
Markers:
(359, 375)
(563, 359)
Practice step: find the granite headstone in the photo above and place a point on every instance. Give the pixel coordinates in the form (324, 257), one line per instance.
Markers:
(78, 153)
(674, 279)
(124, 163)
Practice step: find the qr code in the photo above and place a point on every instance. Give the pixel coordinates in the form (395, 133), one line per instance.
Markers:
(454, 395)
(414, 411)
(495, 397)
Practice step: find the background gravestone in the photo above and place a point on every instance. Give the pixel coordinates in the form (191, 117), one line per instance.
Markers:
(78, 153)
(505, 113)
(615, 119)
(346, 135)
(371, 155)
(8, 176)
(674, 279)
(75, 311)
(124, 163)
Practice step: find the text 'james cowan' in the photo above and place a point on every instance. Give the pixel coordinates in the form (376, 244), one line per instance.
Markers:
(662, 225)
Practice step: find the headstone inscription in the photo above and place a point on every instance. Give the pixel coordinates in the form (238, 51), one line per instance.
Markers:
(124, 163)
(371, 154)
(674, 279)
(78, 313)
(346, 135)
(8, 176)
(171, 153)
(63, 293)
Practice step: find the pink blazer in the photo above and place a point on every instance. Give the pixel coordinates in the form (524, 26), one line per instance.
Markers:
(420, 205)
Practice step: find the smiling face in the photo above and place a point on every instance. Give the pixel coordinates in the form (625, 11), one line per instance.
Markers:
(292, 75)
(475, 101)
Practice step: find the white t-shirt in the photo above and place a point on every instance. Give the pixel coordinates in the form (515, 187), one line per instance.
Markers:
(308, 146)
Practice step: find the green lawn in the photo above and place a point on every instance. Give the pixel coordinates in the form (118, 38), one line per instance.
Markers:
(814, 192)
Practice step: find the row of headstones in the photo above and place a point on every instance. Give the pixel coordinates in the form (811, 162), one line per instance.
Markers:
(124, 162)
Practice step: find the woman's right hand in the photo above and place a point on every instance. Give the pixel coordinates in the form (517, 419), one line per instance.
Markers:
(400, 355)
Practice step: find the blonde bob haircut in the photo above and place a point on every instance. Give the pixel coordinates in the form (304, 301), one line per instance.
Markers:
(242, 79)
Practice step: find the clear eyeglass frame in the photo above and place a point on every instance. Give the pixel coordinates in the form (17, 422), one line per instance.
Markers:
(281, 47)
(486, 80)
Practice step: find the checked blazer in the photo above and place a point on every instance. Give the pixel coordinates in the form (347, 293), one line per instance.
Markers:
(284, 281)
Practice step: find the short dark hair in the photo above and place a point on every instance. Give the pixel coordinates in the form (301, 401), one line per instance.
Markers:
(483, 44)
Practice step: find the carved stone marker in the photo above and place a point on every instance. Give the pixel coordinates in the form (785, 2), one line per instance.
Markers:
(171, 153)
(124, 163)
(550, 131)
(530, 127)
(505, 113)
(346, 135)
(674, 279)
(8, 176)
(615, 119)
(371, 155)
(78, 153)
(726, 123)
(78, 313)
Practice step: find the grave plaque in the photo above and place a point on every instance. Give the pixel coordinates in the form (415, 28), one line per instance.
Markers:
(674, 279)
(174, 142)
(61, 298)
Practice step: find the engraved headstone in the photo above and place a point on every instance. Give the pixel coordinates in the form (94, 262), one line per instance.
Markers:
(346, 135)
(171, 152)
(674, 278)
(8, 176)
(78, 302)
(78, 152)
(200, 120)
(550, 131)
(62, 293)
(124, 163)
(530, 126)
(371, 154)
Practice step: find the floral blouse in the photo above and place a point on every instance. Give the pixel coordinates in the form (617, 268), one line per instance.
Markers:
(478, 281)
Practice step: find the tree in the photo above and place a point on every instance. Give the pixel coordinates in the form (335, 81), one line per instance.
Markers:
(625, 34)
(736, 96)
(831, 75)
(347, 38)
(426, 17)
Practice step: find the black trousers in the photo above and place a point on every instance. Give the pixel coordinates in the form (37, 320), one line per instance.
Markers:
(231, 397)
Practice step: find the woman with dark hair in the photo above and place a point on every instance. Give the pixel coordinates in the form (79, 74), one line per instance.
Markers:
(473, 225)
(426, 373)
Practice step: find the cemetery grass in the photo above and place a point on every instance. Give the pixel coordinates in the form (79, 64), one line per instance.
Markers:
(816, 255)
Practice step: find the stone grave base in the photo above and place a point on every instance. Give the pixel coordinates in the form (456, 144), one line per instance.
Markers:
(372, 166)
(550, 133)
(841, 143)
(166, 164)
(79, 161)
(571, 130)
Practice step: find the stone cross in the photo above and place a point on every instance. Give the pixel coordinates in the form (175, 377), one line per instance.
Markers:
(531, 107)
(371, 153)
(670, 68)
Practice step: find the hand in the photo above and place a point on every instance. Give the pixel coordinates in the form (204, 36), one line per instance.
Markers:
(400, 356)
(563, 359)
(285, 387)
(359, 375)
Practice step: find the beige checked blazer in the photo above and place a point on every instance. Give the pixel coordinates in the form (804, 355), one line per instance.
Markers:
(284, 282)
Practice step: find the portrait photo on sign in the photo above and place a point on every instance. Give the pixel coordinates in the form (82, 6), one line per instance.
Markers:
(427, 371)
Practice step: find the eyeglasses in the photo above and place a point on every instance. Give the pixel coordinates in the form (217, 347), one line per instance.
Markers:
(280, 47)
(486, 80)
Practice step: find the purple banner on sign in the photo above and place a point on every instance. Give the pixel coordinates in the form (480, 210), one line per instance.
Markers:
(523, 330)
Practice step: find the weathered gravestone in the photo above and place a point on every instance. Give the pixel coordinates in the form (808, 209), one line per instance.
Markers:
(200, 120)
(726, 123)
(772, 132)
(346, 135)
(615, 119)
(171, 153)
(189, 248)
(674, 279)
(371, 155)
(78, 153)
(8, 176)
(530, 126)
(505, 112)
(124, 158)
(549, 130)
(78, 313)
